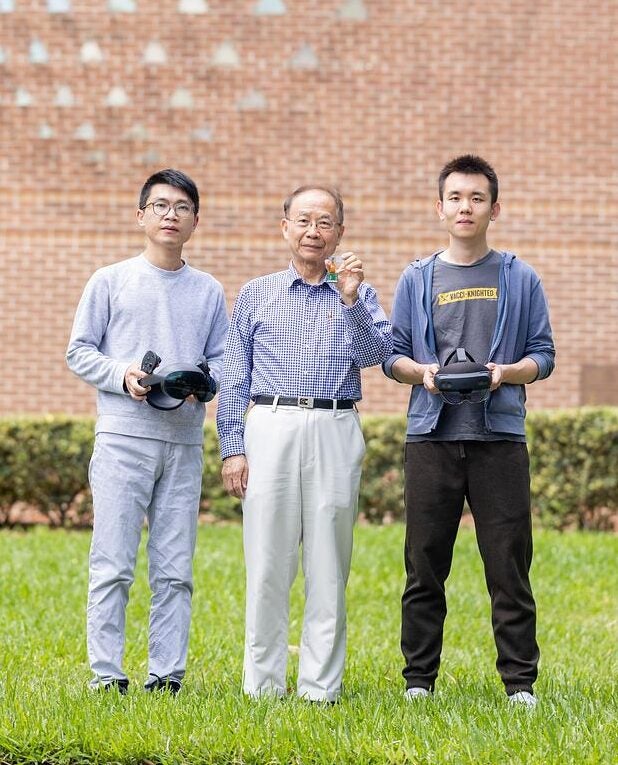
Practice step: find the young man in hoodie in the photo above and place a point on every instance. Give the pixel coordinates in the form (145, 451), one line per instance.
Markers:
(147, 462)
(492, 305)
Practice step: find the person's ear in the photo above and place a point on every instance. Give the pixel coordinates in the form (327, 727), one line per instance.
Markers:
(440, 209)
(495, 211)
(285, 228)
(140, 217)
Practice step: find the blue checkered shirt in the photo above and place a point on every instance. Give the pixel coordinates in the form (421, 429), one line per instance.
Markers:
(292, 338)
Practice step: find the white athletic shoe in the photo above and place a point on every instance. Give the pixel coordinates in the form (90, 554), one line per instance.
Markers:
(416, 693)
(523, 699)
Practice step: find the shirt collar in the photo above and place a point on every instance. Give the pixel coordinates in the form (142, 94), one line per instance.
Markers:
(293, 278)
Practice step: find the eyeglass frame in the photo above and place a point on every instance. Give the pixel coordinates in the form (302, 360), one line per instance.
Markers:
(170, 207)
(315, 223)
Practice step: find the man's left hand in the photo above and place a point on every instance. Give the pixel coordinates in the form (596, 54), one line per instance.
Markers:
(350, 277)
(496, 375)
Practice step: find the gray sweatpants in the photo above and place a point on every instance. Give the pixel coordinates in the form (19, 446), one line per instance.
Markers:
(132, 479)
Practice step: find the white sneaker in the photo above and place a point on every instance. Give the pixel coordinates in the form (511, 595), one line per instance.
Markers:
(416, 693)
(523, 699)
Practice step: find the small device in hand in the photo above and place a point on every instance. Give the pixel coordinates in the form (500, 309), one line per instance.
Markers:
(150, 362)
(332, 264)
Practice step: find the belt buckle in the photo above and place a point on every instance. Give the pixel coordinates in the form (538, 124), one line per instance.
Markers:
(306, 402)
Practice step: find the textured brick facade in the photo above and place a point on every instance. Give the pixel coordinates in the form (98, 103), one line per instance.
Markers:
(254, 97)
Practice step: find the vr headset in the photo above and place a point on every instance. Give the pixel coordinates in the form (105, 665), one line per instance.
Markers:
(463, 379)
(172, 384)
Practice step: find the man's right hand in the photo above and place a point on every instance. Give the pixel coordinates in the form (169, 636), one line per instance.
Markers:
(406, 370)
(428, 378)
(235, 472)
(131, 382)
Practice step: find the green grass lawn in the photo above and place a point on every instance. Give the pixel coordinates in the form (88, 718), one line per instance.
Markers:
(48, 715)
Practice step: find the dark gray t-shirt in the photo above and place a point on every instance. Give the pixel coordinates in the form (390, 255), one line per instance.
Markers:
(465, 310)
(465, 306)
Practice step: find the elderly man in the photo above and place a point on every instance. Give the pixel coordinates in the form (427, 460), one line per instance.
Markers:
(296, 345)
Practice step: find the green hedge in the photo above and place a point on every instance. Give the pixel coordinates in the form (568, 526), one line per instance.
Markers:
(44, 464)
(574, 465)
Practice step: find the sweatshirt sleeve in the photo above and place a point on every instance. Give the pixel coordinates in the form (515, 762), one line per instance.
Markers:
(89, 326)
(215, 343)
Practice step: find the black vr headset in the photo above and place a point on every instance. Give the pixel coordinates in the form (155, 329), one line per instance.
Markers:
(172, 384)
(463, 379)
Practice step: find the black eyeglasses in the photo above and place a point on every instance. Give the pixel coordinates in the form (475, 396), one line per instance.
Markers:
(161, 207)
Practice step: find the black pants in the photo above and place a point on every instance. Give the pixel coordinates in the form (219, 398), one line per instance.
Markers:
(494, 477)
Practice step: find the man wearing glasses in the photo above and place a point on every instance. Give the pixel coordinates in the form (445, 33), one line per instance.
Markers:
(147, 463)
(297, 343)
(490, 305)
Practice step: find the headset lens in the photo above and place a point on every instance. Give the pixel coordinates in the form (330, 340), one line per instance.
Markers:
(184, 383)
(455, 398)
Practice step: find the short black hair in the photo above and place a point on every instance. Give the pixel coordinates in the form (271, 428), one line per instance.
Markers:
(328, 189)
(174, 178)
(470, 164)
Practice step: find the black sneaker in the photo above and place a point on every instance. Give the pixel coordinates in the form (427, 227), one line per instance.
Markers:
(156, 683)
(122, 686)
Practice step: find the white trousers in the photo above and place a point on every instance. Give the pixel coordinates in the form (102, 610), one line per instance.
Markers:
(304, 476)
(132, 479)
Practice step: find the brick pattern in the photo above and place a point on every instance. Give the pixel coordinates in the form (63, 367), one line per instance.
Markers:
(254, 98)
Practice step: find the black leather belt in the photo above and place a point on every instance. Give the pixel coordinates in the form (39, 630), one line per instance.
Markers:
(307, 402)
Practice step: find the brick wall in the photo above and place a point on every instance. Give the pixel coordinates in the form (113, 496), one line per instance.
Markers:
(254, 97)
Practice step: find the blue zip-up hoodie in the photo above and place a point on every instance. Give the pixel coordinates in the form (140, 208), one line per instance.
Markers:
(522, 330)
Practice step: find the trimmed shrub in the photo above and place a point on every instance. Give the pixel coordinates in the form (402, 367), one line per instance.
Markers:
(573, 455)
(574, 467)
(216, 502)
(381, 489)
(45, 466)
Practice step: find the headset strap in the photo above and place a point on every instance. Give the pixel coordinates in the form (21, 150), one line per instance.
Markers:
(462, 355)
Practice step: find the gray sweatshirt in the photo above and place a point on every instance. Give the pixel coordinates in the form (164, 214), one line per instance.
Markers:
(129, 308)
